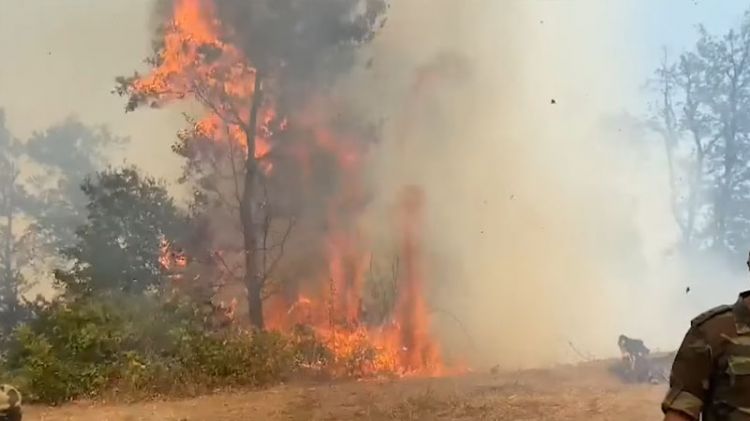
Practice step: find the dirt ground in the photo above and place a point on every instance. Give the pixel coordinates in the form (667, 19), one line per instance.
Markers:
(570, 393)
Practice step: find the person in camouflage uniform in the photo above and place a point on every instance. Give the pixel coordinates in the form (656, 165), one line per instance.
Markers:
(10, 403)
(711, 371)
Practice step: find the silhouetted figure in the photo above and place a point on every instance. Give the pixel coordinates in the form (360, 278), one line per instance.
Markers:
(634, 353)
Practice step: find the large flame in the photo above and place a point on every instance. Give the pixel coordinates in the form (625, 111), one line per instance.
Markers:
(411, 309)
(195, 63)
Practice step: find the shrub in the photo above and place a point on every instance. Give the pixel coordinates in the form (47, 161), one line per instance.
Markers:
(136, 347)
(345, 353)
(68, 351)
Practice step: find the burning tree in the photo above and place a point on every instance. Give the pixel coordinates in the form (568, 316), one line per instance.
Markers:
(276, 151)
(244, 76)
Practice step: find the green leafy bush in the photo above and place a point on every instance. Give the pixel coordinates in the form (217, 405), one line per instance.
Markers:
(138, 347)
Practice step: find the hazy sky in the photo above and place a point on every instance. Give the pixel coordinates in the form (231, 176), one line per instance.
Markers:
(672, 23)
(60, 58)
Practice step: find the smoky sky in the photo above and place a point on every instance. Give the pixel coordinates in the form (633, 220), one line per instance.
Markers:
(64, 59)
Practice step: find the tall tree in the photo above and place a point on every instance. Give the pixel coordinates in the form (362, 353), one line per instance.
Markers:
(249, 74)
(704, 100)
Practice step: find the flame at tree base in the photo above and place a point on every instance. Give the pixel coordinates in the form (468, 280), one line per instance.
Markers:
(403, 346)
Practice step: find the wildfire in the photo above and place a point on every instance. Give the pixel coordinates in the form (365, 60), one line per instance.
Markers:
(195, 63)
(169, 258)
(412, 332)
(403, 346)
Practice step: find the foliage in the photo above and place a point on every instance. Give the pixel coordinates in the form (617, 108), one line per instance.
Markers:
(702, 115)
(136, 346)
(118, 249)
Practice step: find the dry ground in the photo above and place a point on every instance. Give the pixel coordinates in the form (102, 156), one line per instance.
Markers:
(569, 393)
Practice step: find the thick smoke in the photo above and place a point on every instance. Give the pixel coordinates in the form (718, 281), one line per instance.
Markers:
(549, 224)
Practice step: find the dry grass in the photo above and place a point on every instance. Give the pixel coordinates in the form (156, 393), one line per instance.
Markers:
(570, 393)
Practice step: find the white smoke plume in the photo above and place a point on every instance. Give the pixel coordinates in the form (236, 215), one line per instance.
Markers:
(549, 217)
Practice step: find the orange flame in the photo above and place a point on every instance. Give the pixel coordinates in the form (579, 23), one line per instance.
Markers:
(420, 352)
(173, 262)
(195, 63)
(404, 346)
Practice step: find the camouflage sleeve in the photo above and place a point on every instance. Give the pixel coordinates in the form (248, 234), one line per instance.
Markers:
(689, 381)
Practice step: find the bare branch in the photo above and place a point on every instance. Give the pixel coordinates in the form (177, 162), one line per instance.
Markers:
(235, 173)
(282, 244)
(204, 99)
(218, 257)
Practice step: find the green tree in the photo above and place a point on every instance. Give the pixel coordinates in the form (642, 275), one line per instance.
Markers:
(118, 248)
(703, 116)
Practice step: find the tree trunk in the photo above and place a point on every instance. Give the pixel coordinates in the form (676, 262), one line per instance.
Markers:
(253, 272)
(724, 201)
(670, 140)
(8, 288)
